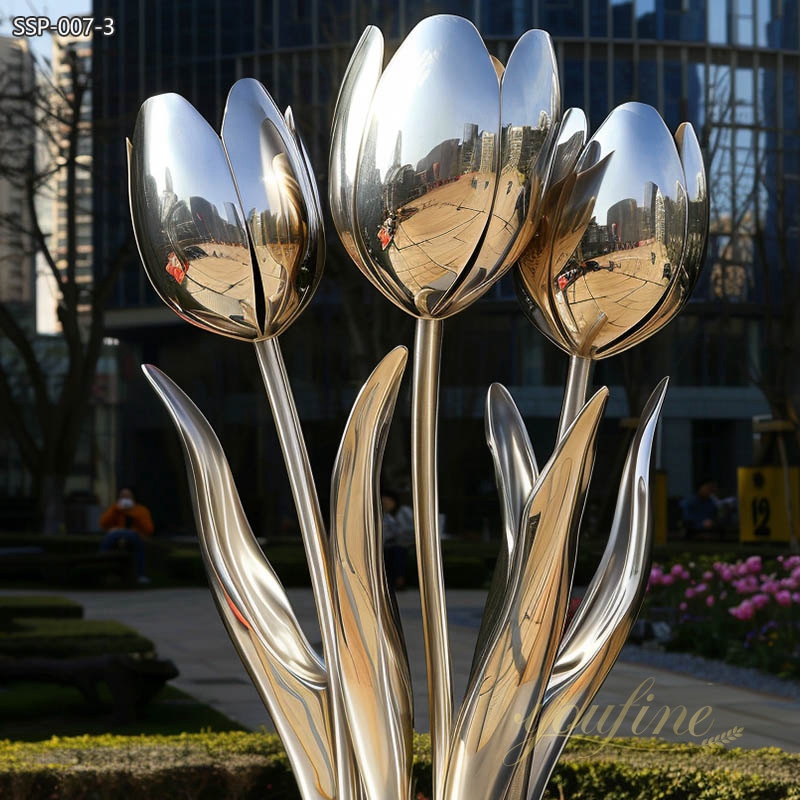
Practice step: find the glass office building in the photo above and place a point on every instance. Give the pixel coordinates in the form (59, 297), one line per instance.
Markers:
(730, 67)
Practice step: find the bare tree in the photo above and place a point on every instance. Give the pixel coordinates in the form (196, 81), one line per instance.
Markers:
(45, 390)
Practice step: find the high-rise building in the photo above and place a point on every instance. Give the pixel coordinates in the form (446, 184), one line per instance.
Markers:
(17, 136)
(69, 209)
(729, 67)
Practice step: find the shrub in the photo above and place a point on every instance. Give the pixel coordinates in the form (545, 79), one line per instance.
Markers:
(240, 766)
(70, 638)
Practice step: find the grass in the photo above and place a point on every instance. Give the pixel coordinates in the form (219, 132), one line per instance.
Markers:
(37, 711)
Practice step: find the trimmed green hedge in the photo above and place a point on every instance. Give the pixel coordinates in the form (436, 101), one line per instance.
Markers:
(245, 766)
(70, 638)
(37, 605)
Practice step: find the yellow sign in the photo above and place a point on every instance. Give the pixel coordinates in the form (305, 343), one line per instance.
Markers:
(762, 503)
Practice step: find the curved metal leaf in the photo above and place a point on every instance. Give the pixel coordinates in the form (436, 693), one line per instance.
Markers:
(603, 621)
(376, 681)
(515, 472)
(510, 682)
(288, 674)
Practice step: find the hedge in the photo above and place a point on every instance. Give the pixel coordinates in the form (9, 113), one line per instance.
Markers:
(246, 766)
(49, 606)
(70, 638)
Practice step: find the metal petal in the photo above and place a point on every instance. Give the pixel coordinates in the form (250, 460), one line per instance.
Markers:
(688, 271)
(504, 698)
(376, 681)
(515, 472)
(428, 163)
(604, 618)
(532, 275)
(187, 219)
(530, 98)
(632, 236)
(288, 674)
(349, 121)
(278, 199)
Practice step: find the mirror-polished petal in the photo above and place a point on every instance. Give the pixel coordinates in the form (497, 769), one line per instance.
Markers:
(349, 121)
(376, 680)
(502, 701)
(622, 265)
(188, 220)
(696, 234)
(428, 162)
(277, 199)
(288, 674)
(531, 106)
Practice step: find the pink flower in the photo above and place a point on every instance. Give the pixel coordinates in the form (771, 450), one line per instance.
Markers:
(726, 573)
(701, 587)
(708, 575)
(667, 580)
(770, 586)
(689, 593)
(760, 601)
(753, 564)
(710, 600)
(677, 570)
(789, 583)
(683, 606)
(796, 597)
(744, 611)
(783, 598)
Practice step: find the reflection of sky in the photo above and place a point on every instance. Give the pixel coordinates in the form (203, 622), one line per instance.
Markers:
(42, 46)
(181, 143)
(643, 153)
(428, 92)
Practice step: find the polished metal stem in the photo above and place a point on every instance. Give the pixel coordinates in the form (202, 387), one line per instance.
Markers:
(424, 412)
(580, 370)
(312, 528)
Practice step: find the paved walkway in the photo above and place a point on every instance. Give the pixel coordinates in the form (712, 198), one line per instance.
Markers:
(185, 627)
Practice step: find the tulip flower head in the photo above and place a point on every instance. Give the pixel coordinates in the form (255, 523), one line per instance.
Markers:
(622, 233)
(437, 162)
(229, 230)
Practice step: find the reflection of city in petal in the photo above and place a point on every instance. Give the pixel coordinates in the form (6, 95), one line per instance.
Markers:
(616, 255)
(435, 188)
(245, 275)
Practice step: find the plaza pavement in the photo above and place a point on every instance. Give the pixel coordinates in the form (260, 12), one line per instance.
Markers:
(185, 627)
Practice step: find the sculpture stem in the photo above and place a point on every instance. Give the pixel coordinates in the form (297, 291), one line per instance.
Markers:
(424, 413)
(580, 370)
(312, 528)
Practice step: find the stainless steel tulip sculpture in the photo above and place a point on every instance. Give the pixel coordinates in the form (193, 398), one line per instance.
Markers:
(446, 169)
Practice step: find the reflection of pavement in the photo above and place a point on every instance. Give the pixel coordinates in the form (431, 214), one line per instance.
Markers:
(186, 628)
(224, 270)
(625, 294)
(433, 244)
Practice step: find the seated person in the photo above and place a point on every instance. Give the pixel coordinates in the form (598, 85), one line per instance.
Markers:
(398, 536)
(700, 511)
(127, 522)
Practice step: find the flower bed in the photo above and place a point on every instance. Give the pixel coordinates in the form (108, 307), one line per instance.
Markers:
(747, 612)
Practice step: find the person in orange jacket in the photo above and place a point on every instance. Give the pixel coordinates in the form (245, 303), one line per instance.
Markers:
(128, 523)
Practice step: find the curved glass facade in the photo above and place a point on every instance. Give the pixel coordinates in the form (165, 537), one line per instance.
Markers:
(730, 67)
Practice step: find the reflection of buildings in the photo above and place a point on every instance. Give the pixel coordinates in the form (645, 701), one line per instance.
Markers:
(488, 141)
(608, 52)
